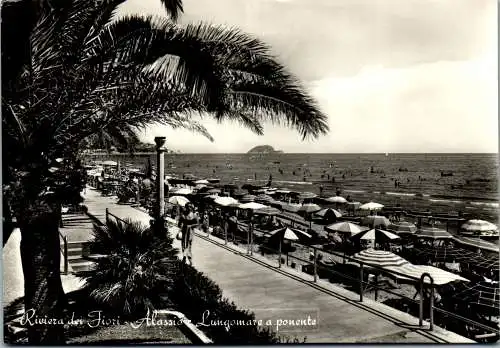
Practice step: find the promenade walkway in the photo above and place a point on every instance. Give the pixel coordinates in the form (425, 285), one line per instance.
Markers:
(280, 295)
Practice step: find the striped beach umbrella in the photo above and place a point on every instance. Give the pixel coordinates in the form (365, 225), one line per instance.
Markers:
(402, 227)
(376, 235)
(346, 227)
(478, 226)
(380, 258)
(414, 273)
(433, 233)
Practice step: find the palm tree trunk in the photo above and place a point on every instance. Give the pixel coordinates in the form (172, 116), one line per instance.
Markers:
(40, 255)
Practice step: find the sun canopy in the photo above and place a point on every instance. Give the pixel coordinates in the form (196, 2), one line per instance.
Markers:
(414, 272)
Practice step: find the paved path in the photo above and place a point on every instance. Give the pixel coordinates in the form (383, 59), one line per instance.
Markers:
(254, 283)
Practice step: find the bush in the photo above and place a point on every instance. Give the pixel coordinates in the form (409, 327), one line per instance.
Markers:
(136, 272)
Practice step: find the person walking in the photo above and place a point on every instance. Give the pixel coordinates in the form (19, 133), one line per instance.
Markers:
(189, 220)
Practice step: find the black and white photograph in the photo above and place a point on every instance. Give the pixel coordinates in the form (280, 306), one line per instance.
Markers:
(250, 172)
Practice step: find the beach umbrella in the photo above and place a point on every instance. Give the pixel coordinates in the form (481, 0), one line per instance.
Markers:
(247, 198)
(178, 200)
(413, 273)
(202, 181)
(307, 195)
(200, 186)
(324, 213)
(478, 226)
(267, 211)
(336, 199)
(225, 201)
(375, 220)
(477, 243)
(309, 208)
(290, 234)
(371, 206)
(376, 235)
(291, 207)
(346, 227)
(379, 258)
(433, 233)
(402, 227)
(252, 206)
(211, 197)
(183, 191)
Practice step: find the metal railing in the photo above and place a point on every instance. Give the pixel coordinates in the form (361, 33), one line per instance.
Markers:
(363, 285)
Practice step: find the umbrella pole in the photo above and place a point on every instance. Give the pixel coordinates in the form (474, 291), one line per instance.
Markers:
(279, 255)
(376, 287)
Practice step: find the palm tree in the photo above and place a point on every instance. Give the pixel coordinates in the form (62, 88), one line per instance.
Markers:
(82, 73)
(136, 271)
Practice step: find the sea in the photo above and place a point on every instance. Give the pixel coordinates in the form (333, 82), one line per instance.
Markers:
(441, 183)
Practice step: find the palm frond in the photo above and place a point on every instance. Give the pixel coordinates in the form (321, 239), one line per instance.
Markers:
(174, 8)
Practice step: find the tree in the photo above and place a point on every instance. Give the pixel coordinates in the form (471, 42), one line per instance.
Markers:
(80, 73)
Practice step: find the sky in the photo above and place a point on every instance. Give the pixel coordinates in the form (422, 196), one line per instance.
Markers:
(391, 75)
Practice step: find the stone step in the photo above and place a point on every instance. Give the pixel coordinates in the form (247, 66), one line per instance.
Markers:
(81, 266)
(75, 251)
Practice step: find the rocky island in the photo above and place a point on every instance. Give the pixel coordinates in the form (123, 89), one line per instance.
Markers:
(264, 149)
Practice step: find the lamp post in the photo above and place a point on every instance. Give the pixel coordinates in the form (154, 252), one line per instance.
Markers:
(160, 177)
